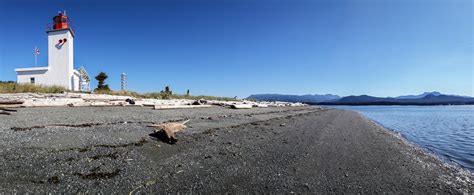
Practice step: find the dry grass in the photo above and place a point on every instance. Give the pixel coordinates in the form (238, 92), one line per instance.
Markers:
(29, 88)
(158, 95)
(11, 87)
(121, 93)
(162, 95)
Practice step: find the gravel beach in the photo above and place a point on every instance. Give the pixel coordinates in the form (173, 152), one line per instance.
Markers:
(278, 149)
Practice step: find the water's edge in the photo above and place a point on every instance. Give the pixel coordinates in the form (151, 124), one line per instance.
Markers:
(443, 160)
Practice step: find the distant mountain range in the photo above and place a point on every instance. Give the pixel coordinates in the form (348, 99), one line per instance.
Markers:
(435, 93)
(427, 98)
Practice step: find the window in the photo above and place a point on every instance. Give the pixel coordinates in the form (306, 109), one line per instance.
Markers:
(32, 80)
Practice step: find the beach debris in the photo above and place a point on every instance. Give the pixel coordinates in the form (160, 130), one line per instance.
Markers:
(169, 129)
(261, 105)
(199, 102)
(11, 101)
(283, 124)
(79, 104)
(241, 106)
(164, 107)
(100, 104)
(85, 100)
(6, 111)
(130, 101)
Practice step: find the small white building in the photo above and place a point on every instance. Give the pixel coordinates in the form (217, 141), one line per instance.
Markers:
(60, 70)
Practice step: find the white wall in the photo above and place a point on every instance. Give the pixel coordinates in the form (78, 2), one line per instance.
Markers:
(39, 75)
(75, 82)
(60, 59)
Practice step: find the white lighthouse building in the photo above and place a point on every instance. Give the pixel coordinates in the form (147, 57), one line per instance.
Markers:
(60, 70)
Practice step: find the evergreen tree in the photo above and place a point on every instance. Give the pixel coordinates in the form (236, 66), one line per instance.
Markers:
(101, 81)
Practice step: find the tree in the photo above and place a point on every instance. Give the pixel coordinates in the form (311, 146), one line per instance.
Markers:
(168, 91)
(187, 92)
(166, 94)
(101, 80)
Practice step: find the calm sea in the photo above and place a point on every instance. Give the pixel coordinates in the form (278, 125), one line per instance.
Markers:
(447, 131)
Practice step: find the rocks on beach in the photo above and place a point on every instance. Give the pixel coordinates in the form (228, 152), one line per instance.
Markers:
(99, 100)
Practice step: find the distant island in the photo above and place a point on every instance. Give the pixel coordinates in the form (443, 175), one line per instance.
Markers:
(427, 98)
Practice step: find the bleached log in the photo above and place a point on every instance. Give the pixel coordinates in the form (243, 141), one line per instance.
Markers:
(79, 104)
(49, 102)
(164, 107)
(145, 103)
(12, 101)
(241, 106)
(118, 103)
(99, 104)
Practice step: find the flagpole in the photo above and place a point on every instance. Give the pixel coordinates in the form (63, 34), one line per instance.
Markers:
(36, 54)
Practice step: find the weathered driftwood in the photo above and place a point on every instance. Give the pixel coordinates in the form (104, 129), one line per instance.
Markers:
(170, 129)
(100, 104)
(164, 107)
(79, 104)
(79, 99)
(145, 103)
(12, 106)
(12, 101)
(4, 113)
(241, 106)
(50, 102)
(8, 110)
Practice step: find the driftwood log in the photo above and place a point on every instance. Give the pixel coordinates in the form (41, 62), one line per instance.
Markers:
(164, 107)
(5, 113)
(241, 106)
(12, 101)
(170, 129)
(8, 110)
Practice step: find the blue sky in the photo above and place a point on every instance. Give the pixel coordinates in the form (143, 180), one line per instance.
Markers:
(241, 47)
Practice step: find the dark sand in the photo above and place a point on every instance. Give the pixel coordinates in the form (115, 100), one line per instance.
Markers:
(110, 150)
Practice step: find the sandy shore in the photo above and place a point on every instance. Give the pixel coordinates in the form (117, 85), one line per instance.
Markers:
(281, 149)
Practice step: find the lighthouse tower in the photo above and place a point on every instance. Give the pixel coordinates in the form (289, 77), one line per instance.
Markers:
(60, 70)
(61, 52)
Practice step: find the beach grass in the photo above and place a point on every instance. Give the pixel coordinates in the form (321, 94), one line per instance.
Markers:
(9, 87)
(162, 95)
(12, 87)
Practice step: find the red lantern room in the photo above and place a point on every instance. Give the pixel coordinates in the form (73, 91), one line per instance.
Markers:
(61, 21)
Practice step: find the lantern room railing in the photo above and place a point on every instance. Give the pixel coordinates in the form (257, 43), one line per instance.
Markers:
(50, 26)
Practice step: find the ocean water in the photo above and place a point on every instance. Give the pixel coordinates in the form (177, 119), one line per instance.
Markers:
(446, 131)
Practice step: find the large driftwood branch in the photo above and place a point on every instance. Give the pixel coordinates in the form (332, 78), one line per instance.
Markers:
(12, 101)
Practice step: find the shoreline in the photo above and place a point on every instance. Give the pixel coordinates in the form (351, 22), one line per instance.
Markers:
(452, 158)
(447, 162)
(280, 149)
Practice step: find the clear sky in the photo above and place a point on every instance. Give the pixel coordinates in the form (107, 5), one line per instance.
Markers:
(241, 47)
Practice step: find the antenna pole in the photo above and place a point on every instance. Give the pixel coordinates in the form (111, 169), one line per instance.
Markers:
(36, 54)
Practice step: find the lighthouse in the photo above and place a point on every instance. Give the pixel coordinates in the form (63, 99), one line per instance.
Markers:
(60, 69)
